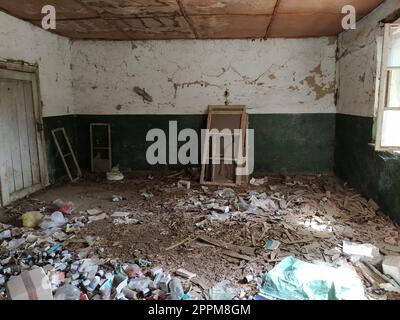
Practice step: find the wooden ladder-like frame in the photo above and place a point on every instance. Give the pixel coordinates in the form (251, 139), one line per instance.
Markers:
(69, 154)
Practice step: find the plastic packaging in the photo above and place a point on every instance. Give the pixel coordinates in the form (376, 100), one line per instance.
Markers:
(56, 220)
(133, 271)
(32, 219)
(139, 284)
(64, 207)
(67, 292)
(5, 234)
(223, 291)
(293, 279)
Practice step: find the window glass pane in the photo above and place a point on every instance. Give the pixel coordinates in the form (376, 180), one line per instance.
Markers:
(394, 47)
(393, 94)
(391, 129)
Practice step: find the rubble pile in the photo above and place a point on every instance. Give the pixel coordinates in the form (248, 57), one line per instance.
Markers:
(212, 243)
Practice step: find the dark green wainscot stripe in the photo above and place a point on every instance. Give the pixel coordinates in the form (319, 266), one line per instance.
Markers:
(284, 143)
(294, 143)
(375, 175)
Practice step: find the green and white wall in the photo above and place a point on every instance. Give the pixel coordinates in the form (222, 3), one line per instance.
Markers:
(288, 86)
(376, 175)
(25, 43)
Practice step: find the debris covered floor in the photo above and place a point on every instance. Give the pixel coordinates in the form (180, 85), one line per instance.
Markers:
(214, 232)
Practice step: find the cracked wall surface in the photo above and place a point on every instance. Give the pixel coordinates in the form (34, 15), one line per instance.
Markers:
(20, 40)
(373, 174)
(184, 77)
(358, 62)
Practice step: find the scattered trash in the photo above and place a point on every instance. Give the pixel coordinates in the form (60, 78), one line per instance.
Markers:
(31, 219)
(184, 184)
(257, 231)
(249, 278)
(67, 292)
(15, 243)
(55, 220)
(116, 198)
(147, 195)
(64, 207)
(185, 274)
(257, 182)
(293, 279)
(99, 217)
(30, 285)
(176, 290)
(119, 214)
(6, 234)
(272, 245)
(391, 267)
(94, 212)
(366, 251)
(120, 221)
(225, 193)
(115, 175)
(223, 290)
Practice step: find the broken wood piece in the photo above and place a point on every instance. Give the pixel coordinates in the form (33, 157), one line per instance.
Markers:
(185, 273)
(236, 255)
(184, 241)
(298, 241)
(200, 282)
(212, 241)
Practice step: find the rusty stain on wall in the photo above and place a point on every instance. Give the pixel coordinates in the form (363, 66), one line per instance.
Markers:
(317, 85)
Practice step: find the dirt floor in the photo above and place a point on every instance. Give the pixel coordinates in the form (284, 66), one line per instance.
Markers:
(310, 216)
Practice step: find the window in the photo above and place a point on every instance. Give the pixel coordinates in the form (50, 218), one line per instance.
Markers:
(388, 116)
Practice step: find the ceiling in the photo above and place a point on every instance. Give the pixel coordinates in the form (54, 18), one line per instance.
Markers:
(191, 19)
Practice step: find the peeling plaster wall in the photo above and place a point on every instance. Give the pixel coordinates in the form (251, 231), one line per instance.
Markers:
(20, 40)
(184, 77)
(375, 175)
(358, 59)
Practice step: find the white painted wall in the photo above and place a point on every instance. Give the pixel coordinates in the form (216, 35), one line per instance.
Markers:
(184, 77)
(358, 64)
(20, 40)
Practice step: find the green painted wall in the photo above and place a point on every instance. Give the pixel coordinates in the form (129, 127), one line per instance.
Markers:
(375, 175)
(284, 143)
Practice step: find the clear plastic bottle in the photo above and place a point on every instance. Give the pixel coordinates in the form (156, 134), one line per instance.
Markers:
(176, 289)
(67, 292)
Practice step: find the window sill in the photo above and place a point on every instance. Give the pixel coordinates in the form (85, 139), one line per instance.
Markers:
(386, 155)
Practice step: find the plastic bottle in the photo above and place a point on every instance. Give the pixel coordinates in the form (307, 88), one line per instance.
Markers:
(67, 292)
(176, 289)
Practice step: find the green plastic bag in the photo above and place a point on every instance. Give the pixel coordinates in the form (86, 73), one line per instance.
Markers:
(293, 279)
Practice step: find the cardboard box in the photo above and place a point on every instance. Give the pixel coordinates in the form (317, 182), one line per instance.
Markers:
(30, 285)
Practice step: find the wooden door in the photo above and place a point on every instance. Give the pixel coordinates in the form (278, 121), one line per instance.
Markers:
(21, 153)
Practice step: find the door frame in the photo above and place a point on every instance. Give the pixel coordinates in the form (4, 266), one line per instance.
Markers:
(18, 71)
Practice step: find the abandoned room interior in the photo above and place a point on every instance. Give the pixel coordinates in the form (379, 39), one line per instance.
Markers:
(199, 150)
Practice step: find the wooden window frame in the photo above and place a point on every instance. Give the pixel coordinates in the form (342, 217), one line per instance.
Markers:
(383, 90)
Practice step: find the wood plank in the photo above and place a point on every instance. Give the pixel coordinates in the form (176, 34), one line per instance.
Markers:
(236, 255)
(5, 153)
(32, 134)
(15, 140)
(67, 169)
(23, 137)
